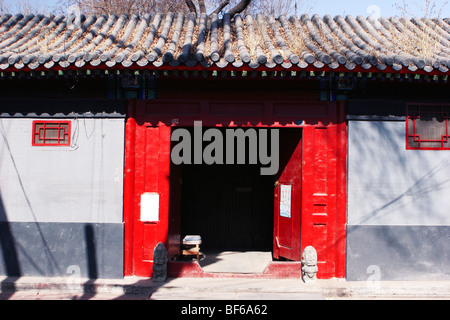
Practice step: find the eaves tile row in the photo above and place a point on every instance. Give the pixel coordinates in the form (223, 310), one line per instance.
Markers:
(158, 41)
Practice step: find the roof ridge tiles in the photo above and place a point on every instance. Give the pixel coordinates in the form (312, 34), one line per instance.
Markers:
(243, 51)
(214, 38)
(255, 40)
(228, 52)
(363, 47)
(26, 42)
(112, 37)
(119, 42)
(78, 37)
(400, 57)
(384, 54)
(201, 38)
(197, 41)
(361, 33)
(169, 54)
(349, 49)
(19, 31)
(98, 39)
(315, 27)
(143, 24)
(318, 53)
(443, 42)
(91, 34)
(299, 41)
(274, 53)
(292, 57)
(419, 62)
(144, 48)
(4, 18)
(54, 48)
(27, 35)
(32, 53)
(157, 50)
(421, 30)
(188, 38)
(12, 25)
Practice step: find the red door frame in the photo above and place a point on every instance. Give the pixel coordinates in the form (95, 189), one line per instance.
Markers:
(287, 225)
(323, 169)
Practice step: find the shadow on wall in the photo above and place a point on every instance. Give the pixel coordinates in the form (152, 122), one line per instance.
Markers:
(54, 221)
(8, 248)
(9, 245)
(9, 253)
(386, 180)
(91, 251)
(397, 205)
(13, 253)
(18, 256)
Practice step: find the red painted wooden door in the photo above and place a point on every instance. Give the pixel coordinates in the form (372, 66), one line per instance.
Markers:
(287, 197)
(152, 165)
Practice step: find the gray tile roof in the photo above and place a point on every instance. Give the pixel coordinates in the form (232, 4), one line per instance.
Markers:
(175, 41)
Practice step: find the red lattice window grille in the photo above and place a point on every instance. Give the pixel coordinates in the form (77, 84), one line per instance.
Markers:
(51, 133)
(427, 127)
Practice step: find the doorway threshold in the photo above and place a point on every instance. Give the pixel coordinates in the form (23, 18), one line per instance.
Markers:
(252, 262)
(274, 270)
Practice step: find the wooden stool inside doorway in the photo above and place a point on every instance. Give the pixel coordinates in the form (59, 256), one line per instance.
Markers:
(191, 246)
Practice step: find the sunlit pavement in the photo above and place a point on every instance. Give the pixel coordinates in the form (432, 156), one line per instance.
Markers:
(134, 288)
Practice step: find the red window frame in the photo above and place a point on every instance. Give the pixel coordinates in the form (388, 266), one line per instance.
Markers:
(414, 112)
(40, 136)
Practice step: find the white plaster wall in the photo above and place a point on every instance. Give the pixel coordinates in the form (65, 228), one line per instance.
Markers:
(80, 183)
(389, 185)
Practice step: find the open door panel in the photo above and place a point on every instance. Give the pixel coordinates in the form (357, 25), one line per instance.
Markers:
(287, 197)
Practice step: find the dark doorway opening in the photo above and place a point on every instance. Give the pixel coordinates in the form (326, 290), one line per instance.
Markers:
(230, 206)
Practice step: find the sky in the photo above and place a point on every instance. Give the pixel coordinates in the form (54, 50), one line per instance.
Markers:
(337, 7)
(376, 7)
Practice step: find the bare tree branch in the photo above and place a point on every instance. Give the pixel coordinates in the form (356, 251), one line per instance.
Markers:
(221, 6)
(141, 7)
(191, 6)
(129, 7)
(241, 6)
(201, 5)
(4, 8)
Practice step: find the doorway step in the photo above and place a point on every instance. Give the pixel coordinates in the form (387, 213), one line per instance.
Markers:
(222, 265)
(235, 261)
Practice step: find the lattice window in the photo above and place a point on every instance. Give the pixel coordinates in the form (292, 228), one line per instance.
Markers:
(427, 127)
(51, 133)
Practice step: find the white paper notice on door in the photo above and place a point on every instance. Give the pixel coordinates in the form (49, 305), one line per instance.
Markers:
(150, 207)
(285, 200)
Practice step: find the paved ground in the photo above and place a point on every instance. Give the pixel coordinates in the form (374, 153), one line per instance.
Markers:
(194, 289)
